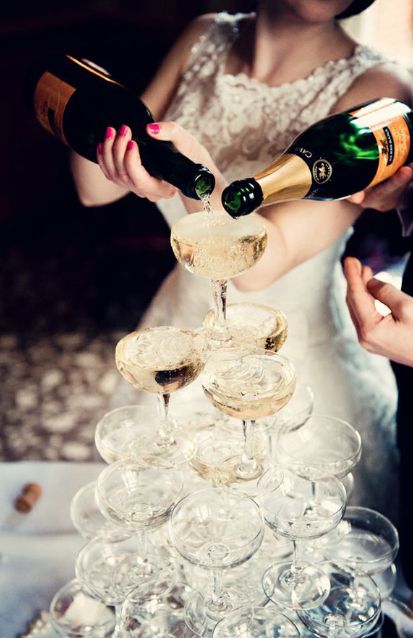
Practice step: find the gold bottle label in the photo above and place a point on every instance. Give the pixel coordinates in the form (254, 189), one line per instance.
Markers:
(50, 100)
(288, 177)
(385, 118)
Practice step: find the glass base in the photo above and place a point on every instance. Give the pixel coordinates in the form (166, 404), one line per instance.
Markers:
(306, 589)
(158, 452)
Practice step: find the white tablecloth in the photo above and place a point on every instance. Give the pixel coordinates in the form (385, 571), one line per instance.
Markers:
(38, 549)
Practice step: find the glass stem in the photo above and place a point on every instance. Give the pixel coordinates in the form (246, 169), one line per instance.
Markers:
(118, 631)
(165, 428)
(141, 544)
(248, 432)
(219, 293)
(296, 564)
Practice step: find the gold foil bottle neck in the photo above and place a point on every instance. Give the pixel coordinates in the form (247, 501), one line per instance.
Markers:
(288, 177)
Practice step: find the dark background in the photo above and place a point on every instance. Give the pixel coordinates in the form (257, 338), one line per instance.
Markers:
(84, 273)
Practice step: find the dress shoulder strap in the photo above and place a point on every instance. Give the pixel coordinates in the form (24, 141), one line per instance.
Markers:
(208, 52)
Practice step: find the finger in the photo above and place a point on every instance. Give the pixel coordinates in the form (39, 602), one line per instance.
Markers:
(142, 181)
(359, 300)
(107, 153)
(391, 296)
(357, 198)
(119, 149)
(390, 192)
(99, 157)
(366, 274)
(173, 132)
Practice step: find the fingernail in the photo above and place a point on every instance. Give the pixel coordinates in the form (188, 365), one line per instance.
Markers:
(100, 149)
(154, 128)
(130, 145)
(109, 133)
(123, 130)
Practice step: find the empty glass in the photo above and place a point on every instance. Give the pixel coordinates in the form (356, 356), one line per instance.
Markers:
(366, 541)
(89, 520)
(324, 446)
(216, 529)
(76, 614)
(295, 511)
(351, 609)
(138, 499)
(256, 622)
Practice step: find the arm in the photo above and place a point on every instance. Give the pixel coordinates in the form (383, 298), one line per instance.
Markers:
(390, 336)
(120, 171)
(299, 231)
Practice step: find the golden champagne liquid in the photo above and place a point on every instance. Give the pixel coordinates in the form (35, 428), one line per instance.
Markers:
(162, 359)
(251, 387)
(252, 325)
(215, 246)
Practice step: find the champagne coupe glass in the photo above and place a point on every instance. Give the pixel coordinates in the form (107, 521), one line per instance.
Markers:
(249, 386)
(138, 499)
(162, 360)
(110, 570)
(323, 447)
(214, 245)
(118, 433)
(159, 609)
(366, 541)
(297, 411)
(76, 614)
(293, 510)
(345, 612)
(215, 529)
(250, 325)
(89, 520)
(218, 455)
(256, 622)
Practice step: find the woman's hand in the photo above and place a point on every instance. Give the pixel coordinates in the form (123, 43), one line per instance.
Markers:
(391, 194)
(118, 157)
(390, 336)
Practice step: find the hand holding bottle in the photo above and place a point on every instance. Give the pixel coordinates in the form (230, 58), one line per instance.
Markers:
(119, 158)
(396, 192)
(390, 336)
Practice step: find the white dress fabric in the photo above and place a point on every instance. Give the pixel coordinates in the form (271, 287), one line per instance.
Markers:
(245, 124)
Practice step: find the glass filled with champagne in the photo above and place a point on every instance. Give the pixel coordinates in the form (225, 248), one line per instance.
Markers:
(212, 245)
(162, 360)
(251, 325)
(250, 386)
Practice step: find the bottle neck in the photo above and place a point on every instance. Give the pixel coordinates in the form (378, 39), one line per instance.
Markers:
(288, 177)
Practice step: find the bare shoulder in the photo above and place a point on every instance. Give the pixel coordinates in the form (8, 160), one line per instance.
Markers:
(384, 80)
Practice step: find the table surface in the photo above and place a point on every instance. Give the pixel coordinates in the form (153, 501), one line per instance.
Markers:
(38, 549)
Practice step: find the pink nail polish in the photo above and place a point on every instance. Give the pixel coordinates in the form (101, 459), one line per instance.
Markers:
(154, 128)
(123, 130)
(130, 145)
(109, 133)
(100, 149)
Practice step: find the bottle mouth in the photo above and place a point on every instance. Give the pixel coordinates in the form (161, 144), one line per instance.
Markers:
(242, 197)
(204, 183)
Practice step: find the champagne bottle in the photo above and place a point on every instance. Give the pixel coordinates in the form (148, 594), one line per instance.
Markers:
(339, 155)
(76, 100)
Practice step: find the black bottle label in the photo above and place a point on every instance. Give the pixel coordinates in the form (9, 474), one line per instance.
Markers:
(50, 100)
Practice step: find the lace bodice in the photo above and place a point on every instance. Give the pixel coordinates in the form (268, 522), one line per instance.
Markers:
(244, 123)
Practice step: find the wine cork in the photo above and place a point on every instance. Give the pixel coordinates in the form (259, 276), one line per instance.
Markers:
(28, 497)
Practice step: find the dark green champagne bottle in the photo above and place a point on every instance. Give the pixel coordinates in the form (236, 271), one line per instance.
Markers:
(340, 155)
(76, 100)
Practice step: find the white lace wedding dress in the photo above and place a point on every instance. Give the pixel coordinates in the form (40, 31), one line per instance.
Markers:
(245, 124)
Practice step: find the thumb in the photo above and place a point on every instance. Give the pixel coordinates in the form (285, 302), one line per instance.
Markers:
(388, 294)
(180, 137)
